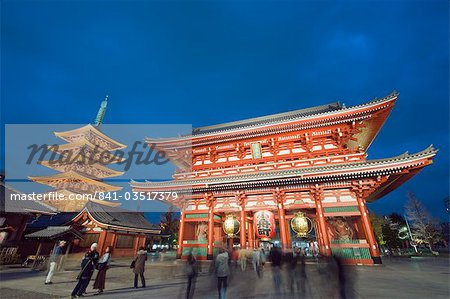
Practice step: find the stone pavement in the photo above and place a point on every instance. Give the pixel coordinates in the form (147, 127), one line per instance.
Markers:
(396, 278)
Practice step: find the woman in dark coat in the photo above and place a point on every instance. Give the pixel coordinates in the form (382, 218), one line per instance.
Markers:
(139, 266)
(102, 266)
(88, 263)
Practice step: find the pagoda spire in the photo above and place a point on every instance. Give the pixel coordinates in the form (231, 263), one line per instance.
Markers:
(101, 112)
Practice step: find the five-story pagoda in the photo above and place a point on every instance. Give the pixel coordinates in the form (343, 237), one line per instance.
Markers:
(82, 165)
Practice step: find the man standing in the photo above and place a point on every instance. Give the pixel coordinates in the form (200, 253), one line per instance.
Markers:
(222, 272)
(54, 259)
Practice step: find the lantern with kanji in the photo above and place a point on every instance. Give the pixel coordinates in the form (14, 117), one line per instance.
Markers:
(231, 226)
(301, 224)
(264, 222)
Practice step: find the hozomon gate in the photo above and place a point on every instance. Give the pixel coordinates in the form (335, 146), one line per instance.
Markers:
(310, 160)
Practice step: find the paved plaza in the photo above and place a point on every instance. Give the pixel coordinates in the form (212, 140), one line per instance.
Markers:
(396, 278)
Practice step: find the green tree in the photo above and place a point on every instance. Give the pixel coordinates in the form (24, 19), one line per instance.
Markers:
(377, 226)
(391, 227)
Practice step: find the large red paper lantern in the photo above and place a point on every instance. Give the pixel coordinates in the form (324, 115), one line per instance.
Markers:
(264, 222)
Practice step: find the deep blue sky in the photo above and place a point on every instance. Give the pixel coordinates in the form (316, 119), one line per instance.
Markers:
(203, 63)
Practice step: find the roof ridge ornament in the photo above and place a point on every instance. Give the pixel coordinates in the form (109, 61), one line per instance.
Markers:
(101, 112)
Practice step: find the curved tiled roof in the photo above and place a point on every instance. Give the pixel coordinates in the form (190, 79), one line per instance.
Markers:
(279, 117)
(291, 173)
(253, 123)
(116, 216)
(53, 232)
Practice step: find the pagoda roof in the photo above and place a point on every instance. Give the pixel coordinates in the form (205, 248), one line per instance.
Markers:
(115, 145)
(84, 143)
(307, 175)
(107, 172)
(72, 175)
(319, 116)
(118, 218)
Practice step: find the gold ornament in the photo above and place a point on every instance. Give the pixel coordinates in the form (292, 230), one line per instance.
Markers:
(301, 224)
(231, 226)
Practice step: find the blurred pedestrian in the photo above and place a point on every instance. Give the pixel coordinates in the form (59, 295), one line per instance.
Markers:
(256, 261)
(222, 272)
(235, 257)
(243, 259)
(291, 261)
(275, 258)
(88, 264)
(301, 271)
(341, 276)
(192, 273)
(54, 260)
(139, 266)
(102, 267)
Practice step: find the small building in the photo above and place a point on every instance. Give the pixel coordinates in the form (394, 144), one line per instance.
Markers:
(122, 229)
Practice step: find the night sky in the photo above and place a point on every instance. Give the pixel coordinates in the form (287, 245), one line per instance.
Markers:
(204, 63)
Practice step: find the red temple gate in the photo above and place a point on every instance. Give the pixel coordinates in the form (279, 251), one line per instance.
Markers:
(310, 160)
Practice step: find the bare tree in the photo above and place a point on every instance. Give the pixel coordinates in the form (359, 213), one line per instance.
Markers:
(424, 228)
(169, 225)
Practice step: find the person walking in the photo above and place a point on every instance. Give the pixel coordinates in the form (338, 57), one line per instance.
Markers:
(192, 272)
(54, 260)
(88, 264)
(301, 272)
(275, 257)
(291, 260)
(139, 266)
(243, 259)
(256, 261)
(102, 267)
(222, 271)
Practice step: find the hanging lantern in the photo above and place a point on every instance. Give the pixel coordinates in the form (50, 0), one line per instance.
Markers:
(231, 226)
(264, 222)
(301, 224)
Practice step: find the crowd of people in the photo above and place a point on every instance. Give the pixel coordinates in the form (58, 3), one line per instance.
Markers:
(288, 269)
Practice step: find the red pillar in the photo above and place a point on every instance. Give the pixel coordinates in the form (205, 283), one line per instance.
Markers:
(318, 235)
(374, 252)
(209, 253)
(282, 222)
(288, 235)
(250, 235)
(136, 243)
(241, 199)
(230, 243)
(325, 249)
(242, 232)
(101, 242)
(180, 235)
(279, 199)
